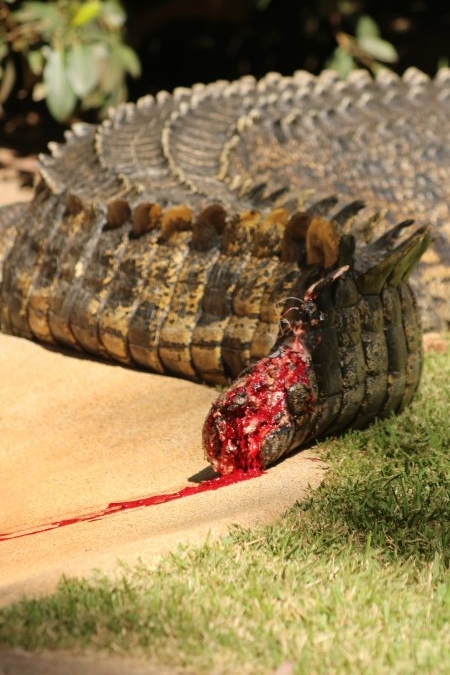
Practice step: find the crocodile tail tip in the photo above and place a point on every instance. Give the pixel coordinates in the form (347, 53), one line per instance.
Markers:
(390, 259)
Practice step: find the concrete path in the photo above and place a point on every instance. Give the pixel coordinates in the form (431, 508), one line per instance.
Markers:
(77, 435)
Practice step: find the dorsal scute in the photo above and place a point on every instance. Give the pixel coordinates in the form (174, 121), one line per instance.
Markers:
(243, 144)
(390, 259)
(56, 166)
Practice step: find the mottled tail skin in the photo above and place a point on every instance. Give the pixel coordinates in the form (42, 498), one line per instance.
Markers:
(353, 353)
(199, 307)
(196, 296)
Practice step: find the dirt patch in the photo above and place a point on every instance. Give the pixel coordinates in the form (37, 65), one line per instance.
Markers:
(16, 662)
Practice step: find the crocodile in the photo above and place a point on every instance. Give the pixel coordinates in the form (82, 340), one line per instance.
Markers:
(197, 234)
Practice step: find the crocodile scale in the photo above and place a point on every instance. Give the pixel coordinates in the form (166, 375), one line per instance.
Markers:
(198, 233)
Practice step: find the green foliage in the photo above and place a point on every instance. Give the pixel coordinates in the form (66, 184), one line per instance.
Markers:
(366, 48)
(72, 52)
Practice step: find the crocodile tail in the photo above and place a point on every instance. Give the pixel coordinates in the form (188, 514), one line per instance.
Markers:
(10, 217)
(391, 258)
(353, 353)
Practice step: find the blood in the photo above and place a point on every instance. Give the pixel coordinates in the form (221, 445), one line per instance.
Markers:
(116, 507)
(256, 408)
(251, 425)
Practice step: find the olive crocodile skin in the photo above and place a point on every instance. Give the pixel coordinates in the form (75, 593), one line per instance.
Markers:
(174, 235)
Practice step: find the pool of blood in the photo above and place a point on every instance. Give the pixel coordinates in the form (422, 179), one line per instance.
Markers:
(116, 507)
(254, 407)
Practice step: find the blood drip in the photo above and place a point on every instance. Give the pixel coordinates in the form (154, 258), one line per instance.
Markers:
(116, 507)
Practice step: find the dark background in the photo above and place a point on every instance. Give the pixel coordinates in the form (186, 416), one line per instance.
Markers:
(180, 42)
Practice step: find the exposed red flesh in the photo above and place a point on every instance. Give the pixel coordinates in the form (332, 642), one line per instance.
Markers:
(254, 407)
(250, 425)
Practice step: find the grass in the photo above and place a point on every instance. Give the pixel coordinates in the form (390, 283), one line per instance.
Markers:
(356, 579)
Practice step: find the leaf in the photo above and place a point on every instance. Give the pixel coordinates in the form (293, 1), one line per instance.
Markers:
(111, 74)
(366, 27)
(378, 49)
(128, 59)
(60, 96)
(94, 99)
(80, 72)
(111, 65)
(8, 79)
(3, 49)
(35, 61)
(341, 61)
(47, 15)
(113, 15)
(87, 12)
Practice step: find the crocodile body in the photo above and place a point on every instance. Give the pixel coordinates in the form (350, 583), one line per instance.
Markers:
(172, 236)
